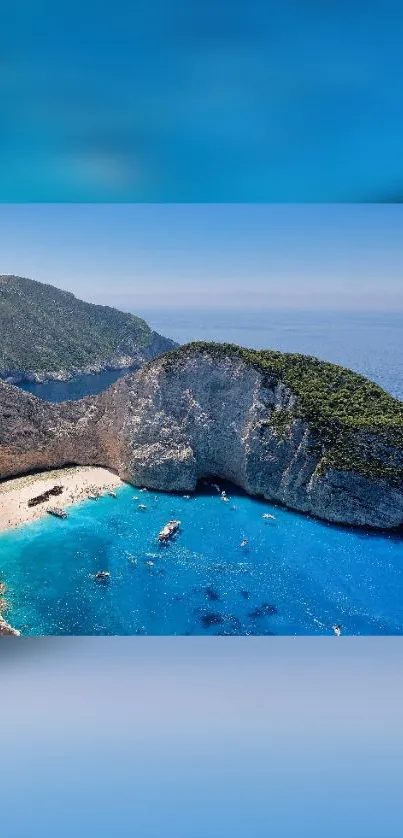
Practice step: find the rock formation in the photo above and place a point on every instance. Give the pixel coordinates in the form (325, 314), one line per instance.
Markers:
(312, 436)
(49, 334)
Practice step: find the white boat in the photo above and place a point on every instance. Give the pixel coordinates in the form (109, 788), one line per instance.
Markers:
(142, 506)
(102, 575)
(57, 512)
(169, 530)
(267, 516)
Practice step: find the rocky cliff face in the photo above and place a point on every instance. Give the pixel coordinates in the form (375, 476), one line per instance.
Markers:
(191, 414)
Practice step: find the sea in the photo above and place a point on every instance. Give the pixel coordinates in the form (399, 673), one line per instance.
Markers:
(295, 575)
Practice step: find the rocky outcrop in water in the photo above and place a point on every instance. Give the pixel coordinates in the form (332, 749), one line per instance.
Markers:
(7, 629)
(280, 426)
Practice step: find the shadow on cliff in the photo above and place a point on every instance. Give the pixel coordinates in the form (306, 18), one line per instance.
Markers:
(206, 485)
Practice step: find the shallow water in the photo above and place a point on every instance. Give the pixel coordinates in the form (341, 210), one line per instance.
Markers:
(297, 575)
(314, 575)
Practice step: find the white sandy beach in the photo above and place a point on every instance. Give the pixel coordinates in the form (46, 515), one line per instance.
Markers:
(78, 483)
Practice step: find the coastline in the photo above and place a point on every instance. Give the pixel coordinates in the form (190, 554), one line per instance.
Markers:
(78, 483)
(64, 376)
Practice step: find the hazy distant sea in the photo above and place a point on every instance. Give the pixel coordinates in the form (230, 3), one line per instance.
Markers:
(370, 343)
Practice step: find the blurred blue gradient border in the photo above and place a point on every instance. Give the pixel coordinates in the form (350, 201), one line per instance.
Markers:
(218, 101)
(193, 737)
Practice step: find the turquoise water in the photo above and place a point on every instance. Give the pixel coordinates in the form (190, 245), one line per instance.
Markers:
(296, 576)
(312, 574)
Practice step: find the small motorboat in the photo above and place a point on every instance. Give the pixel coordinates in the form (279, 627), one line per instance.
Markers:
(150, 563)
(244, 542)
(102, 576)
(142, 506)
(57, 511)
(267, 516)
(112, 493)
(169, 530)
(337, 630)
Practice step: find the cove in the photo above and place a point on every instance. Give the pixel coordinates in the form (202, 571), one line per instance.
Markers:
(297, 575)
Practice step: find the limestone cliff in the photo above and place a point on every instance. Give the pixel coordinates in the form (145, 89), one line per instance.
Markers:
(312, 436)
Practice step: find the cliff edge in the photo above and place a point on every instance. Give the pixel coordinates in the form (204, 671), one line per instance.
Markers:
(313, 436)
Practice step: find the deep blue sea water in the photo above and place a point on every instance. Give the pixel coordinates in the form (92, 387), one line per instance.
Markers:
(297, 575)
(370, 343)
(76, 388)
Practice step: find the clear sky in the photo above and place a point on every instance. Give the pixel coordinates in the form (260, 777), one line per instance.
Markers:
(222, 256)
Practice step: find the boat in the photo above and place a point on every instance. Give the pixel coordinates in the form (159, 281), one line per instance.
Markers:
(102, 575)
(245, 542)
(55, 490)
(169, 530)
(267, 516)
(142, 506)
(112, 493)
(57, 511)
(337, 630)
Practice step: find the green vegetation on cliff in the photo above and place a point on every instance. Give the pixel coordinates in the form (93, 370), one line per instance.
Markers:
(45, 330)
(352, 416)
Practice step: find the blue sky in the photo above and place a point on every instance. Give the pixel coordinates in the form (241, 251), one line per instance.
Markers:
(253, 257)
(201, 101)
